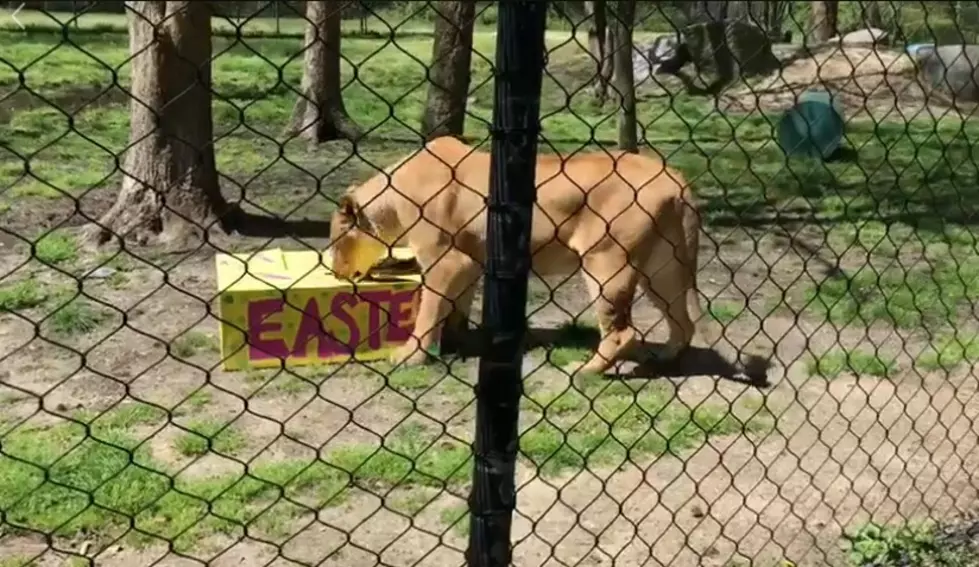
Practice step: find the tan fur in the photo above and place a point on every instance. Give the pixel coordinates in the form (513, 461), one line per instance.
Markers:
(625, 220)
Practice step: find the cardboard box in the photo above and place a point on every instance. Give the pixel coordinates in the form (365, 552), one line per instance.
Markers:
(280, 302)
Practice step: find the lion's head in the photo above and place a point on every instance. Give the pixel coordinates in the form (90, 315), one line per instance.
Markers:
(354, 246)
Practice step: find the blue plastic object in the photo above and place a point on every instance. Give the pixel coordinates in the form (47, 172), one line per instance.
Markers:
(918, 49)
(813, 127)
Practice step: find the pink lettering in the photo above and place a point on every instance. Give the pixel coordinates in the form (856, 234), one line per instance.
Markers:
(401, 324)
(375, 299)
(340, 300)
(260, 348)
(310, 328)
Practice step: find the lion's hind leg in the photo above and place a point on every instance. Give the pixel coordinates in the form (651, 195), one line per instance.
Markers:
(612, 285)
(666, 283)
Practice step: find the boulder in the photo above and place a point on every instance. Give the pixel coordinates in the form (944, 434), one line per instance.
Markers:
(730, 47)
(868, 36)
(665, 54)
(950, 71)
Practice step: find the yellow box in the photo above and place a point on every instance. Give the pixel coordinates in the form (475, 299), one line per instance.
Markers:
(292, 309)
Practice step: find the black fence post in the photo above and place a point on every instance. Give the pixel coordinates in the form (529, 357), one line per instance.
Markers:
(516, 124)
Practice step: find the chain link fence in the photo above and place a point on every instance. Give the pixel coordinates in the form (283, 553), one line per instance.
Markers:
(179, 189)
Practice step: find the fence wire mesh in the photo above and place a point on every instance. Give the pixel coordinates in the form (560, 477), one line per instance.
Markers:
(172, 176)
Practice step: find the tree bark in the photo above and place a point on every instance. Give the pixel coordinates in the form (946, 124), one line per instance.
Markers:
(823, 23)
(871, 14)
(319, 115)
(624, 81)
(449, 73)
(600, 46)
(170, 189)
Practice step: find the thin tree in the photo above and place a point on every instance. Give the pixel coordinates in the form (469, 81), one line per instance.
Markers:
(319, 114)
(449, 73)
(600, 46)
(625, 84)
(170, 189)
(823, 23)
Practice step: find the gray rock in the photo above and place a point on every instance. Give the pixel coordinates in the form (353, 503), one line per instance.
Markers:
(868, 36)
(648, 58)
(730, 48)
(101, 273)
(949, 71)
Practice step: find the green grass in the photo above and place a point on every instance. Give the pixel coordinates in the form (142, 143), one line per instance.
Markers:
(24, 294)
(50, 471)
(726, 312)
(192, 343)
(839, 361)
(950, 352)
(209, 435)
(56, 248)
(911, 544)
(456, 518)
(76, 317)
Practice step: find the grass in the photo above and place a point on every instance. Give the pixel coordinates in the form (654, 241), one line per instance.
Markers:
(51, 470)
(913, 544)
(192, 343)
(22, 295)
(950, 352)
(836, 362)
(56, 248)
(205, 436)
(726, 312)
(456, 518)
(77, 317)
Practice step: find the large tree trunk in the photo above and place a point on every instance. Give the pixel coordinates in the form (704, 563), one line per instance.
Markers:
(319, 114)
(624, 81)
(449, 75)
(600, 46)
(823, 22)
(170, 188)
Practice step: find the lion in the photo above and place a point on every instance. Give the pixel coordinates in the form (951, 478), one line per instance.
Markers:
(626, 221)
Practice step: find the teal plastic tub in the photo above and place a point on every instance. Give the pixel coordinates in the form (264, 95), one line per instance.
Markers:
(813, 127)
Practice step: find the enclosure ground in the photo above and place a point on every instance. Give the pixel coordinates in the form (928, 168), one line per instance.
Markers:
(120, 432)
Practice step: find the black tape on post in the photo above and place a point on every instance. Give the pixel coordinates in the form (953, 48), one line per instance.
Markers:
(516, 124)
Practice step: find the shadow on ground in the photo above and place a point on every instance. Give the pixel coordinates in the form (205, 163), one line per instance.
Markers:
(695, 361)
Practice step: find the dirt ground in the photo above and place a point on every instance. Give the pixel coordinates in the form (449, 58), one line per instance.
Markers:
(839, 453)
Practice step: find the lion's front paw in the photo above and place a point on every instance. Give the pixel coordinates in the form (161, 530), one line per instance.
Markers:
(408, 354)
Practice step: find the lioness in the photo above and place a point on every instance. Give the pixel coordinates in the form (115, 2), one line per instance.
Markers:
(625, 219)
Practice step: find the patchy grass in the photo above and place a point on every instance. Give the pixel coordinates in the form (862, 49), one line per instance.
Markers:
(456, 518)
(191, 343)
(911, 544)
(209, 435)
(839, 361)
(53, 468)
(949, 352)
(78, 316)
(726, 312)
(56, 248)
(413, 378)
(24, 294)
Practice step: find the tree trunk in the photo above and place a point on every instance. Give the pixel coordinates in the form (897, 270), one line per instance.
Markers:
(319, 114)
(600, 46)
(624, 81)
(823, 24)
(170, 189)
(871, 14)
(449, 74)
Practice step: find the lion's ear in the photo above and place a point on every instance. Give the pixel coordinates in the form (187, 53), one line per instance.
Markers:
(348, 208)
